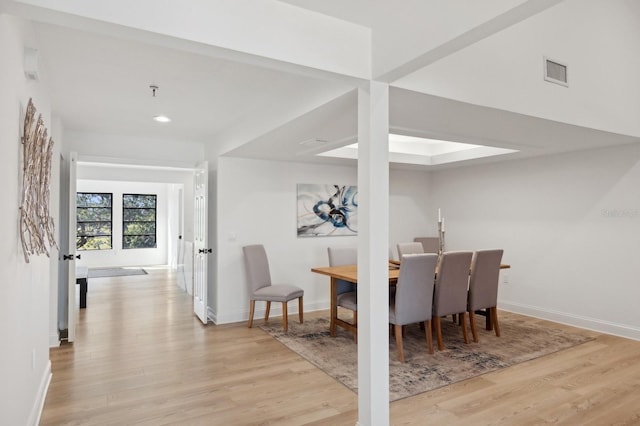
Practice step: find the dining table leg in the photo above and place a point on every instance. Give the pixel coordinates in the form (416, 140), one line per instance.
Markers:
(488, 320)
(334, 306)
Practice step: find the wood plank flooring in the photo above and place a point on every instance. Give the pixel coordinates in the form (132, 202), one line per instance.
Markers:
(141, 357)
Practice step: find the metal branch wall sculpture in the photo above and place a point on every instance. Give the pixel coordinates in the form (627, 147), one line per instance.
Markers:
(36, 224)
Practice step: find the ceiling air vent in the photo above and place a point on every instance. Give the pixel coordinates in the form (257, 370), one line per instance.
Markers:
(313, 142)
(555, 72)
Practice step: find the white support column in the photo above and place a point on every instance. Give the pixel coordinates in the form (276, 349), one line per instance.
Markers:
(373, 254)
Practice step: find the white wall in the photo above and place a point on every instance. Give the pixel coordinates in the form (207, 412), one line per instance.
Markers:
(257, 205)
(411, 213)
(599, 42)
(118, 256)
(569, 225)
(176, 178)
(24, 306)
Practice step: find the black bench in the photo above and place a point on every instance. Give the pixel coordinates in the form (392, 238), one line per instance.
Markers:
(82, 278)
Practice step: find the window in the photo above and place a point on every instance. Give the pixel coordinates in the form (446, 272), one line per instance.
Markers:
(93, 221)
(138, 221)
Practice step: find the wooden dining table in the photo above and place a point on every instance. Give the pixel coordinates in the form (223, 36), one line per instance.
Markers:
(350, 273)
(347, 273)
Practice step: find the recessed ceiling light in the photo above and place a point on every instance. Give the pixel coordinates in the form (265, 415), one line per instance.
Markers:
(162, 119)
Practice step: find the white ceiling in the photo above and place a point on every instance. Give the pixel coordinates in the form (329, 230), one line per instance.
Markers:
(417, 114)
(100, 83)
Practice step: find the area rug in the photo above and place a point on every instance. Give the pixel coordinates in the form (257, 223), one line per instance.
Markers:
(337, 356)
(115, 272)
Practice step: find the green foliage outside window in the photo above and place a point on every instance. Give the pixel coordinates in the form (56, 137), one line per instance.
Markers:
(139, 221)
(93, 221)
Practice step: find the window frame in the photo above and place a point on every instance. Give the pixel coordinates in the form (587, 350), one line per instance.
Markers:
(125, 222)
(110, 221)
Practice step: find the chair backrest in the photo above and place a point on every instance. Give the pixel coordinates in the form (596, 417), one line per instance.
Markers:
(414, 290)
(429, 244)
(483, 283)
(409, 248)
(339, 256)
(452, 283)
(257, 267)
(342, 256)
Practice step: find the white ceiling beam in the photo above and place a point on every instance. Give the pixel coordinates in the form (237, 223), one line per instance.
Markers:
(475, 34)
(259, 32)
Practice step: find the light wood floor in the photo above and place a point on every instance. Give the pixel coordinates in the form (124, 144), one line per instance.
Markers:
(141, 357)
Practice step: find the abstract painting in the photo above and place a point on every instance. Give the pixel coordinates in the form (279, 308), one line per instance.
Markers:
(327, 210)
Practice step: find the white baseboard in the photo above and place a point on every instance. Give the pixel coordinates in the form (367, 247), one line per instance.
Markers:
(211, 316)
(593, 324)
(54, 340)
(38, 404)
(276, 311)
(588, 323)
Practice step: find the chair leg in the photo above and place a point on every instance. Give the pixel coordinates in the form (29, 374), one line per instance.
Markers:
(438, 327)
(252, 308)
(398, 333)
(285, 317)
(300, 305)
(472, 321)
(494, 319)
(465, 334)
(266, 313)
(427, 331)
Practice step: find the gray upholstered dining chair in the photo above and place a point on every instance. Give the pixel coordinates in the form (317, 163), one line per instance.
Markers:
(259, 278)
(483, 287)
(409, 248)
(414, 297)
(347, 292)
(450, 294)
(429, 244)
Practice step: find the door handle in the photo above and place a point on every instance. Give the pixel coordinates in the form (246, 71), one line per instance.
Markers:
(205, 251)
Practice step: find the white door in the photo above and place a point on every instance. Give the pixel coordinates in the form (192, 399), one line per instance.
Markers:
(200, 249)
(70, 255)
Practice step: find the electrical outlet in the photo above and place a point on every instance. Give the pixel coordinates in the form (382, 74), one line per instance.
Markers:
(505, 277)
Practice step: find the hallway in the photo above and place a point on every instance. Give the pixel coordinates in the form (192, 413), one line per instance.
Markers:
(142, 357)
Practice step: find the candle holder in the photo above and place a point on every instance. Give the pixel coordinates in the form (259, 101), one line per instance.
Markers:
(440, 237)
